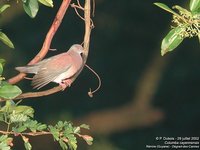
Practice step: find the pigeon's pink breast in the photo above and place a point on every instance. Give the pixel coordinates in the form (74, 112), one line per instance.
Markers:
(72, 61)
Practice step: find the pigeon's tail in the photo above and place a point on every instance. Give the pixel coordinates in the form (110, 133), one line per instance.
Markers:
(27, 69)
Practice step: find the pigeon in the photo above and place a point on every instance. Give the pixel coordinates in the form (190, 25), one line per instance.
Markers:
(60, 68)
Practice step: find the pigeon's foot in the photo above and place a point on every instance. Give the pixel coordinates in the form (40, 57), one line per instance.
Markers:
(65, 83)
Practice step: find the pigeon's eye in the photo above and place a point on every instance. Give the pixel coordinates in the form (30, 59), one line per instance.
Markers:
(81, 54)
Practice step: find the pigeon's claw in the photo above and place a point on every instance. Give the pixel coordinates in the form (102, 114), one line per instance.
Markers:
(65, 83)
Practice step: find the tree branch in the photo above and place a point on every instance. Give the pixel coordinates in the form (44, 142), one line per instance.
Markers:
(87, 11)
(27, 133)
(46, 46)
(39, 94)
(47, 42)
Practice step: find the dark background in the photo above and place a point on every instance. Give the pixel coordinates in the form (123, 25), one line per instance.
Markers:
(125, 41)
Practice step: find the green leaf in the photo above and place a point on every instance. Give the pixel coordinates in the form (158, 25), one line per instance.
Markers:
(85, 126)
(63, 145)
(60, 125)
(165, 7)
(6, 40)
(27, 145)
(4, 146)
(19, 129)
(87, 138)
(26, 110)
(3, 137)
(1, 69)
(18, 117)
(8, 108)
(3, 83)
(48, 3)
(55, 132)
(31, 7)
(4, 142)
(41, 127)
(73, 144)
(4, 7)
(77, 130)
(2, 61)
(195, 5)
(172, 40)
(181, 9)
(9, 91)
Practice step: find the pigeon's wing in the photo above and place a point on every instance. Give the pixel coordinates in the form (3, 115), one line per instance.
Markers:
(45, 76)
(35, 67)
(51, 69)
(28, 69)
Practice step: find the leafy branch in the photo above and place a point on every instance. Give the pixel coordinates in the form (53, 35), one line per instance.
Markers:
(31, 7)
(19, 122)
(3, 37)
(186, 24)
(19, 118)
(46, 46)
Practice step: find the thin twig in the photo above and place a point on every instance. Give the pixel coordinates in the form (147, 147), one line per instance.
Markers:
(78, 14)
(36, 94)
(27, 133)
(91, 92)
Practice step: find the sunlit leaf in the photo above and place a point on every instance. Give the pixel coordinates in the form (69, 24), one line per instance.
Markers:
(31, 7)
(14, 117)
(85, 126)
(26, 110)
(195, 5)
(4, 7)
(171, 41)
(77, 130)
(72, 144)
(199, 37)
(165, 7)
(5, 141)
(3, 137)
(4, 146)
(19, 129)
(54, 132)
(48, 3)
(6, 40)
(27, 145)
(88, 139)
(2, 62)
(63, 145)
(41, 127)
(181, 9)
(9, 91)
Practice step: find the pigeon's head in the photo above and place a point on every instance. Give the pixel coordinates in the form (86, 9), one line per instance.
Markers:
(77, 48)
